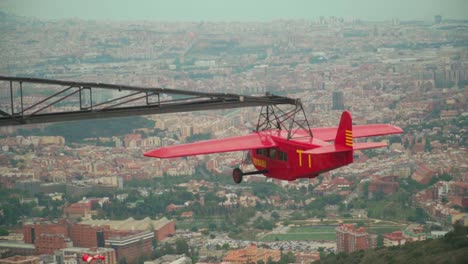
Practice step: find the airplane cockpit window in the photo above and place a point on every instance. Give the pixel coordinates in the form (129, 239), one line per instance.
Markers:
(272, 153)
(262, 152)
(282, 156)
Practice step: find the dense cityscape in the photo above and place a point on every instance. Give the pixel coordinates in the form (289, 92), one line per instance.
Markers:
(84, 187)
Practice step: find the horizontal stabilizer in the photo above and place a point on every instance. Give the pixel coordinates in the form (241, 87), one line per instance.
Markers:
(368, 145)
(247, 142)
(328, 149)
(342, 148)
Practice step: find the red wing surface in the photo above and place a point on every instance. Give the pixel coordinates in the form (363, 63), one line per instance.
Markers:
(329, 133)
(368, 145)
(248, 142)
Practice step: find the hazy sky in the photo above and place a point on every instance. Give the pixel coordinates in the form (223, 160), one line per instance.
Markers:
(234, 10)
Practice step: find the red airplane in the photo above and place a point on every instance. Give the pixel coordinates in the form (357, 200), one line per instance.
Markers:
(88, 258)
(276, 154)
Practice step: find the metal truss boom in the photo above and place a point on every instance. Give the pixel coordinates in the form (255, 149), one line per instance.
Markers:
(291, 120)
(69, 100)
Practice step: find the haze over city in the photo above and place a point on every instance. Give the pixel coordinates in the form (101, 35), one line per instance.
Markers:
(236, 10)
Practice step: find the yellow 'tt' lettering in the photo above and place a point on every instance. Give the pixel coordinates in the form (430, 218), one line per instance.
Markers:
(300, 156)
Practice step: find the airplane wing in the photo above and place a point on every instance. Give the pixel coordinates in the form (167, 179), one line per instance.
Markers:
(368, 145)
(329, 133)
(240, 143)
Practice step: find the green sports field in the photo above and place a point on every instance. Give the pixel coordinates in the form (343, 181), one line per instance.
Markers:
(320, 233)
(305, 233)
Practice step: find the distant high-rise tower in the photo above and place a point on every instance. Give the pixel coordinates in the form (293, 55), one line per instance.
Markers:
(438, 19)
(338, 101)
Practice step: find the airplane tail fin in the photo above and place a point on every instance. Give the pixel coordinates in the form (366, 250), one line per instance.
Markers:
(341, 153)
(344, 135)
(338, 154)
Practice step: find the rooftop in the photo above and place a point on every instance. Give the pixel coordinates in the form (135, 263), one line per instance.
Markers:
(9, 244)
(130, 223)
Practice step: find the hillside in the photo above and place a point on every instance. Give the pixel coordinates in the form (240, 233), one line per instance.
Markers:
(77, 131)
(453, 248)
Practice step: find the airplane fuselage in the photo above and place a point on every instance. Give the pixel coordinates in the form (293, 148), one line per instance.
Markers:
(288, 160)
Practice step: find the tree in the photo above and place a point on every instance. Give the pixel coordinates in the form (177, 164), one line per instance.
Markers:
(317, 59)
(123, 261)
(270, 260)
(195, 255)
(406, 143)
(379, 195)
(445, 177)
(459, 229)
(275, 215)
(365, 190)
(155, 243)
(420, 215)
(226, 246)
(427, 145)
(142, 259)
(182, 247)
(212, 227)
(332, 199)
(261, 223)
(168, 249)
(4, 232)
(444, 200)
(380, 240)
(287, 258)
(442, 83)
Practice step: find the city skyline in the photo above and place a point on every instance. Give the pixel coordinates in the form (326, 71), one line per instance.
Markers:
(241, 10)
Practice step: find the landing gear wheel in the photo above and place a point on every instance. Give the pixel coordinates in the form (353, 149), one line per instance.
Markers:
(237, 175)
